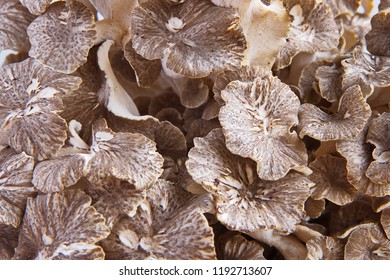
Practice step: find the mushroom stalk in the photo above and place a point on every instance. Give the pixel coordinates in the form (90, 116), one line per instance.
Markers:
(289, 246)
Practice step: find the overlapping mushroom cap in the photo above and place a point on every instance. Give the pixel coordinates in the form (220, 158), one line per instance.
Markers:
(61, 38)
(29, 104)
(242, 200)
(325, 248)
(233, 246)
(188, 35)
(256, 122)
(61, 226)
(378, 39)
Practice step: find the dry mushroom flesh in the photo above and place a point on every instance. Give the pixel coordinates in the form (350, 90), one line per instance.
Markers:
(154, 129)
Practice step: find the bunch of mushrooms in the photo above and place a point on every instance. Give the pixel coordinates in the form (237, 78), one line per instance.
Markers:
(153, 129)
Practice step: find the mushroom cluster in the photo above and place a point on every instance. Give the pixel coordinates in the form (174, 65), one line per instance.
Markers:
(195, 129)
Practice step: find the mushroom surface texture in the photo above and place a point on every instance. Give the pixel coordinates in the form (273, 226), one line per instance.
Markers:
(194, 129)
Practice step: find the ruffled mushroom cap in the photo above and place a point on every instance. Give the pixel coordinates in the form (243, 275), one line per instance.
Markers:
(29, 104)
(8, 241)
(36, 7)
(180, 33)
(365, 70)
(380, 203)
(256, 122)
(367, 242)
(379, 135)
(314, 208)
(14, 20)
(312, 29)
(330, 81)
(164, 228)
(15, 185)
(385, 221)
(243, 201)
(378, 39)
(359, 157)
(233, 246)
(61, 226)
(61, 38)
(350, 119)
(343, 7)
(330, 178)
(325, 248)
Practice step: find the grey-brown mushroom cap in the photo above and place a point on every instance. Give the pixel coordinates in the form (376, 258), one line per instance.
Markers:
(312, 29)
(346, 124)
(8, 241)
(36, 7)
(179, 32)
(330, 81)
(385, 221)
(59, 226)
(378, 38)
(314, 208)
(256, 121)
(14, 19)
(379, 135)
(383, 5)
(61, 38)
(242, 200)
(233, 246)
(330, 178)
(325, 248)
(345, 7)
(367, 242)
(15, 185)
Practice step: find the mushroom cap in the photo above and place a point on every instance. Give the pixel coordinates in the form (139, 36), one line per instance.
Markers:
(330, 81)
(343, 7)
(379, 135)
(312, 28)
(8, 241)
(15, 185)
(325, 248)
(36, 7)
(61, 226)
(233, 246)
(243, 201)
(180, 33)
(330, 178)
(256, 122)
(385, 221)
(378, 39)
(367, 242)
(383, 5)
(14, 19)
(314, 208)
(350, 119)
(61, 38)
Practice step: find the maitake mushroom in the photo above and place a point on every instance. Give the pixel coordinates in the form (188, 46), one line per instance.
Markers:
(194, 129)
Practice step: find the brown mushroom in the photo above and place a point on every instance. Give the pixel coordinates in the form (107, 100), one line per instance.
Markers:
(325, 248)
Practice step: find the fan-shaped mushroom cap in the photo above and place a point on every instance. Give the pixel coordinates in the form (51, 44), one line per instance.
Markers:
(378, 39)
(380, 203)
(347, 123)
(330, 81)
(343, 7)
(29, 104)
(233, 246)
(61, 38)
(243, 201)
(379, 135)
(61, 226)
(359, 157)
(36, 7)
(312, 29)
(325, 248)
(366, 71)
(8, 241)
(330, 178)
(385, 221)
(15, 185)
(367, 242)
(314, 208)
(180, 33)
(256, 122)
(14, 20)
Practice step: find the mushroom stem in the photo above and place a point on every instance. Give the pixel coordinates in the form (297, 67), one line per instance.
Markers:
(108, 29)
(288, 245)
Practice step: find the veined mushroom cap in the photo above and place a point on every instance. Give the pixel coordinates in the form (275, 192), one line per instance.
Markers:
(29, 106)
(233, 246)
(36, 7)
(367, 242)
(343, 7)
(312, 28)
(378, 38)
(14, 19)
(350, 119)
(385, 221)
(61, 226)
(256, 122)
(330, 178)
(379, 135)
(325, 248)
(61, 38)
(314, 208)
(242, 200)
(15, 185)
(330, 81)
(194, 41)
